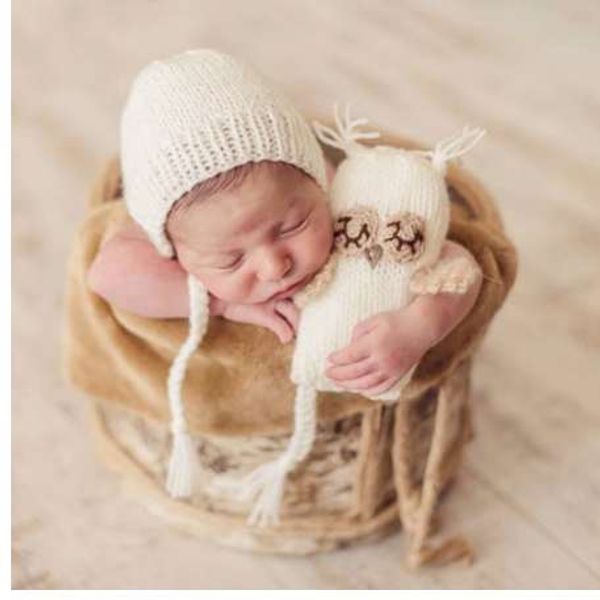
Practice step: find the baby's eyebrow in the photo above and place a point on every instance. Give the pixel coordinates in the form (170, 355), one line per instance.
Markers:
(294, 207)
(247, 226)
(232, 254)
(225, 252)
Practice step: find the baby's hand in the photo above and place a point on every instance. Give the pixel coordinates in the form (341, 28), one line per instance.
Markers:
(280, 316)
(383, 348)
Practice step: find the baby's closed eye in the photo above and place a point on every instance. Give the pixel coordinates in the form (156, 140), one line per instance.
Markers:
(295, 227)
(231, 264)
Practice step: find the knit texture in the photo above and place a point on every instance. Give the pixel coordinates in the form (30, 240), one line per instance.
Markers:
(390, 181)
(198, 114)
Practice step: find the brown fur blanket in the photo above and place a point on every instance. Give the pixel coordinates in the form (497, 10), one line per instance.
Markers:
(238, 382)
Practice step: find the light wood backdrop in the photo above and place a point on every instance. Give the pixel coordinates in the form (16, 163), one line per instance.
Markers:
(529, 495)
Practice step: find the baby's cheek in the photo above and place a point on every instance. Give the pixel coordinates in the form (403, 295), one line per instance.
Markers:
(317, 240)
(235, 287)
(215, 284)
(321, 244)
(307, 252)
(225, 289)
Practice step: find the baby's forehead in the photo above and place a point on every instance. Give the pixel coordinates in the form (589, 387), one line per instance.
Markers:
(223, 223)
(268, 195)
(265, 180)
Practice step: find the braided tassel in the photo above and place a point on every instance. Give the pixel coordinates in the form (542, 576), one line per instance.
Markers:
(179, 474)
(265, 484)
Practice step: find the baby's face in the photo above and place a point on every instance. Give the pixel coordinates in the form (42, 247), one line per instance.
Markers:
(263, 240)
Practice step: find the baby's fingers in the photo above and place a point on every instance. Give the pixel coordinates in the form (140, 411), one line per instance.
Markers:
(354, 352)
(364, 327)
(365, 383)
(289, 311)
(282, 329)
(351, 371)
(383, 387)
(276, 323)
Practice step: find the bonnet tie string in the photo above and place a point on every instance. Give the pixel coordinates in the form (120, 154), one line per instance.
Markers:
(179, 474)
(264, 485)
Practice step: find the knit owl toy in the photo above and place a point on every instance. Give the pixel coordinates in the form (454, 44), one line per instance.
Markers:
(391, 211)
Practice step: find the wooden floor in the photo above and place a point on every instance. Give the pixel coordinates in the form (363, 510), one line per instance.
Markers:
(529, 495)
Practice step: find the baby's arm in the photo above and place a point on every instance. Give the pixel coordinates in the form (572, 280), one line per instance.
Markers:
(388, 344)
(128, 273)
(459, 280)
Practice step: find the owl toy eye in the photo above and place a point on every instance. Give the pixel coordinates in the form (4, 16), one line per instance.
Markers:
(403, 238)
(354, 230)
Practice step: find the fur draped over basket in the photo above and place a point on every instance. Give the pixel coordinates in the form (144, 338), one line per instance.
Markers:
(373, 467)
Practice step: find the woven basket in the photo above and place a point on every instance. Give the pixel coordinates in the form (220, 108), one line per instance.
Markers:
(351, 488)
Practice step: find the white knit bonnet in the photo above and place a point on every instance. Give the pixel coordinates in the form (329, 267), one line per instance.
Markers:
(187, 119)
(198, 114)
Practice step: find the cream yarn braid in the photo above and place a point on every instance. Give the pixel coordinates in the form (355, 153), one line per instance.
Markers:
(265, 484)
(179, 473)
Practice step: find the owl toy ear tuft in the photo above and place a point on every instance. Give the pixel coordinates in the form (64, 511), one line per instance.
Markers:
(453, 147)
(346, 137)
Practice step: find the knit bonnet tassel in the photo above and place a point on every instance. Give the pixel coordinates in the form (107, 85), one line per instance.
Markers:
(265, 484)
(179, 474)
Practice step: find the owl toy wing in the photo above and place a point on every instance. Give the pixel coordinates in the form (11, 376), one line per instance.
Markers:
(454, 275)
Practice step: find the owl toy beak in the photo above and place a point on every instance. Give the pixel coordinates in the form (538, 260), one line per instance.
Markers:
(374, 254)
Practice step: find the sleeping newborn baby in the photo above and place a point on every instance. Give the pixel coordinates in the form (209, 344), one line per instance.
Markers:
(230, 218)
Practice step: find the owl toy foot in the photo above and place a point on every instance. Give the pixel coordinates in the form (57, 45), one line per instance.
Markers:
(454, 276)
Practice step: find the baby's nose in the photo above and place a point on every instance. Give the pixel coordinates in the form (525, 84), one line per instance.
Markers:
(274, 266)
